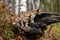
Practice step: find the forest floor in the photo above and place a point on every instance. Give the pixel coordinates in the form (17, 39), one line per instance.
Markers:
(52, 33)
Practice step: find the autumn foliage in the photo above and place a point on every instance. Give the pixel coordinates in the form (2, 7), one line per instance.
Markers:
(5, 22)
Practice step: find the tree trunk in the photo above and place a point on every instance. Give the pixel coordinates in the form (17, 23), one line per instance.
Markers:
(37, 4)
(16, 8)
(13, 6)
(33, 6)
(19, 7)
(24, 5)
(29, 5)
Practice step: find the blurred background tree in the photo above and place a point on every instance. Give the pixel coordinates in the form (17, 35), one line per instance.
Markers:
(44, 5)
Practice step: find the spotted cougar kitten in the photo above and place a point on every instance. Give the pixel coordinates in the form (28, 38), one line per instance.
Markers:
(24, 17)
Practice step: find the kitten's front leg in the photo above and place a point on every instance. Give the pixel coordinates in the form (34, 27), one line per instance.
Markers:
(32, 21)
(26, 24)
(21, 23)
(32, 18)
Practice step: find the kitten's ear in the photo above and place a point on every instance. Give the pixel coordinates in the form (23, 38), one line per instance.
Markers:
(38, 10)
